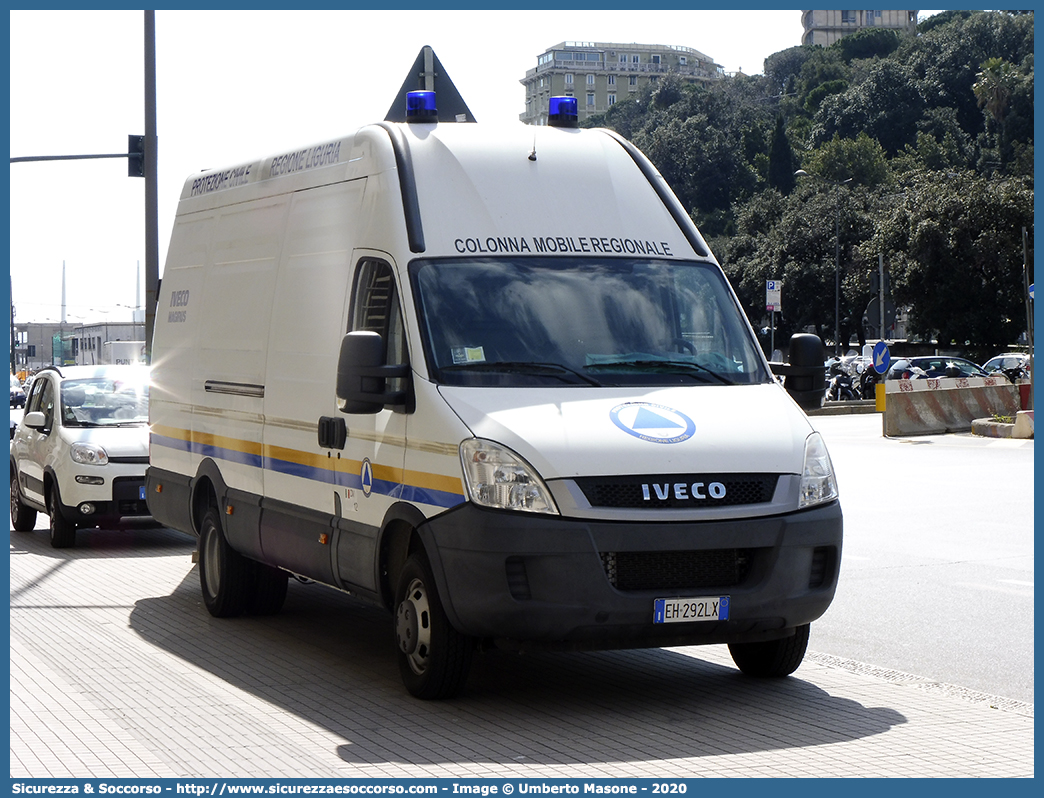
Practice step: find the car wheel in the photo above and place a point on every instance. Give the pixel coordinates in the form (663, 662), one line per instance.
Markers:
(268, 590)
(772, 658)
(23, 518)
(225, 575)
(63, 531)
(434, 658)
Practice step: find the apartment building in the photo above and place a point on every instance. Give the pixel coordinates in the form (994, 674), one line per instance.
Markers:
(600, 74)
(826, 27)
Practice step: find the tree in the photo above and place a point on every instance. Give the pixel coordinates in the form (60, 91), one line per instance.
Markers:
(862, 159)
(954, 242)
(868, 43)
(781, 159)
(993, 89)
(886, 105)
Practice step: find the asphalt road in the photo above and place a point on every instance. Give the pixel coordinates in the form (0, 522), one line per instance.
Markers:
(937, 568)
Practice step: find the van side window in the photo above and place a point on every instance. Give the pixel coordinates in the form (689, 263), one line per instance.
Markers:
(375, 307)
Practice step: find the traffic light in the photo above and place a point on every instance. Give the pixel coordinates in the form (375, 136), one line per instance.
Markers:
(135, 156)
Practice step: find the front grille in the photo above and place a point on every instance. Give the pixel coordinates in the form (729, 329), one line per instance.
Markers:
(677, 570)
(677, 490)
(126, 495)
(132, 508)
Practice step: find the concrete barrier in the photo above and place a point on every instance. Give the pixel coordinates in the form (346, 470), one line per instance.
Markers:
(935, 406)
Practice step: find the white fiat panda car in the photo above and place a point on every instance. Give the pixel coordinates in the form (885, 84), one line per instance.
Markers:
(81, 450)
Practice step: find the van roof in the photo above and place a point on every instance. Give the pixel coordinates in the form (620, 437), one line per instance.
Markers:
(514, 187)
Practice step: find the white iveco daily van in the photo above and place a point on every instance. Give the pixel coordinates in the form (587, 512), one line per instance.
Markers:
(493, 380)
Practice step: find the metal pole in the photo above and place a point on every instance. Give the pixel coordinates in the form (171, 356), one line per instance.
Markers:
(1029, 309)
(14, 369)
(151, 185)
(837, 270)
(881, 291)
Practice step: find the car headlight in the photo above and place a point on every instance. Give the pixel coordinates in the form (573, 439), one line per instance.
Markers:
(88, 454)
(497, 477)
(818, 484)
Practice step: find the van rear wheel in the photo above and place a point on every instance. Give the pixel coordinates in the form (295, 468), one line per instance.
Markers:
(224, 574)
(434, 658)
(772, 658)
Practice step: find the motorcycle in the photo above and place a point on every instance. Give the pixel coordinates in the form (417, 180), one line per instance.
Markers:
(868, 381)
(1015, 374)
(840, 387)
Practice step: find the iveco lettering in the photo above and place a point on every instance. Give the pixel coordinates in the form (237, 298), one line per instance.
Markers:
(492, 379)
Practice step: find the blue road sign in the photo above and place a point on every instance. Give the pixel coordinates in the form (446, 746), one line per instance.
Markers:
(881, 357)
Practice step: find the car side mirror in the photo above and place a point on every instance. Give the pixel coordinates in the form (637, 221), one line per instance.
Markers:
(35, 420)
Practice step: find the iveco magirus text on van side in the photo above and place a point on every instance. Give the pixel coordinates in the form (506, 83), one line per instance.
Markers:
(492, 380)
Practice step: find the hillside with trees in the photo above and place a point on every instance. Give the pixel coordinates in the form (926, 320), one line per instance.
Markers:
(919, 150)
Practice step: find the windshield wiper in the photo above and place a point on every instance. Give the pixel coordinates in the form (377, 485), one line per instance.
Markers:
(524, 367)
(660, 365)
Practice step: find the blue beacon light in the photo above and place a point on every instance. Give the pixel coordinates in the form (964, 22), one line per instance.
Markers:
(562, 112)
(420, 107)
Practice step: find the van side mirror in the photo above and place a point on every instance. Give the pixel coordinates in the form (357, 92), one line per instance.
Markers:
(362, 375)
(804, 376)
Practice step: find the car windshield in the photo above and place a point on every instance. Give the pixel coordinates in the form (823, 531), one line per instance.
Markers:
(561, 321)
(104, 402)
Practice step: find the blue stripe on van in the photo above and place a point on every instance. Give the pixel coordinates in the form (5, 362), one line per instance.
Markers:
(395, 490)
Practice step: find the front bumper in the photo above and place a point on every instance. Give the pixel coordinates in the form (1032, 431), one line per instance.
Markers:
(525, 580)
(119, 501)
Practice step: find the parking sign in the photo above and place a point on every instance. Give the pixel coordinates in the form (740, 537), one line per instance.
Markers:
(774, 295)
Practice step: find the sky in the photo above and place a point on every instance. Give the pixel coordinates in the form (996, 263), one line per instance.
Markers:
(233, 86)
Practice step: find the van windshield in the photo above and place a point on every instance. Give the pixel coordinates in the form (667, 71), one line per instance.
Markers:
(546, 321)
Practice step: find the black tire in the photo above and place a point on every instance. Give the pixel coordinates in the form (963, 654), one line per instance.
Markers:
(434, 658)
(225, 575)
(23, 518)
(774, 658)
(268, 590)
(63, 531)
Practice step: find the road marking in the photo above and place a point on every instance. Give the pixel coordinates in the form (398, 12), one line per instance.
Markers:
(1015, 582)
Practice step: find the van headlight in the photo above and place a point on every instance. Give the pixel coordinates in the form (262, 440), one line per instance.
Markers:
(88, 454)
(497, 477)
(818, 484)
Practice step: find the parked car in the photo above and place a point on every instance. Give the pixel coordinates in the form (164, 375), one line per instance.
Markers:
(80, 452)
(1013, 365)
(933, 366)
(17, 394)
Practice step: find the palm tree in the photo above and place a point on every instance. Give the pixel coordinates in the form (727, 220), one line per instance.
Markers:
(993, 90)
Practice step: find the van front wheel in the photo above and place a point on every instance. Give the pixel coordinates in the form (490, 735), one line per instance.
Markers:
(224, 574)
(434, 658)
(772, 658)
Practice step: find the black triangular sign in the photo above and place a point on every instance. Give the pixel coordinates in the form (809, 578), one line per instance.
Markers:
(428, 74)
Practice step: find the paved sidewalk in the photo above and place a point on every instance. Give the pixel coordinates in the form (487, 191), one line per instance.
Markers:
(117, 670)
